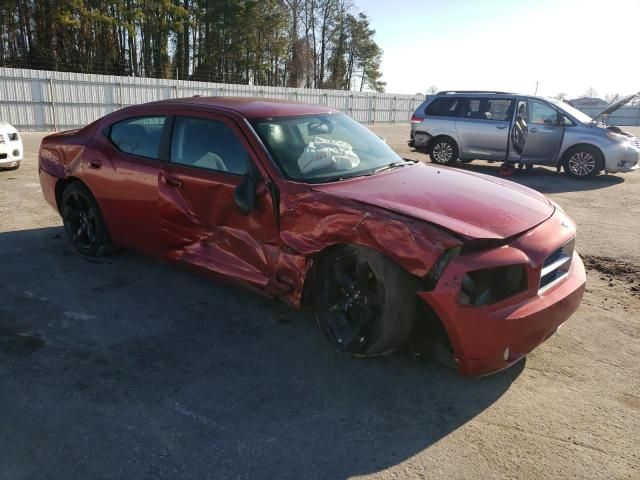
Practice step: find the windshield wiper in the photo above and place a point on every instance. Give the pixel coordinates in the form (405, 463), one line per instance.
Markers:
(391, 165)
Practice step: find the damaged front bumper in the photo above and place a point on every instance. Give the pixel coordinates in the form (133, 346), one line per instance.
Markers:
(490, 338)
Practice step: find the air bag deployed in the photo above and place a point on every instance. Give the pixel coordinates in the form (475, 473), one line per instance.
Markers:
(322, 153)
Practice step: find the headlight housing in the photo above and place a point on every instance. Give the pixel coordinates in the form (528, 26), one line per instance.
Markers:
(617, 137)
(490, 285)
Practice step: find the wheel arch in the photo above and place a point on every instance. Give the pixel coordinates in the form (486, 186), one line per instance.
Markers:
(563, 156)
(318, 257)
(428, 329)
(446, 136)
(61, 186)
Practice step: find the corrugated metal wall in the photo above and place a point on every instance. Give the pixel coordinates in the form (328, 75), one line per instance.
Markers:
(39, 100)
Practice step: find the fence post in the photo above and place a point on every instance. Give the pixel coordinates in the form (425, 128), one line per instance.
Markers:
(175, 90)
(373, 105)
(120, 100)
(395, 107)
(53, 105)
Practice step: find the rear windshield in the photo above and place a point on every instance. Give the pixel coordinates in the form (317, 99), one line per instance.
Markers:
(420, 110)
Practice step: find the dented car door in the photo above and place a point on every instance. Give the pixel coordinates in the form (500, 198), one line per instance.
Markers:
(200, 223)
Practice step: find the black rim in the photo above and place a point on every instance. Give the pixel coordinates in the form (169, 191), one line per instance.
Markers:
(80, 220)
(353, 302)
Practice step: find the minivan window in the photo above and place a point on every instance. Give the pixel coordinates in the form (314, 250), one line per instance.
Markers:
(139, 136)
(488, 109)
(444, 107)
(208, 144)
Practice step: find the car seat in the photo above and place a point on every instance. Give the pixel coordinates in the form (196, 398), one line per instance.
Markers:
(198, 145)
(519, 136)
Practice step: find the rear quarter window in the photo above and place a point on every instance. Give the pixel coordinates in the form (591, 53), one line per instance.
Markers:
(444, 107)
(139, 136)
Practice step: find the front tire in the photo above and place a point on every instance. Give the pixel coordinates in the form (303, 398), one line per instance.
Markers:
(583, 162)
(365, 302)
(82, 220)
(443, 151)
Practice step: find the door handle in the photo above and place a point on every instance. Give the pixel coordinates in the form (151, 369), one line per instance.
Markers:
(173, 182)
(95, 164)
(501, 126)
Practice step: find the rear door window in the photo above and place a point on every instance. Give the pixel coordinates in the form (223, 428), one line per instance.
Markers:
(497, 109)
(139, 136)
(444, 107)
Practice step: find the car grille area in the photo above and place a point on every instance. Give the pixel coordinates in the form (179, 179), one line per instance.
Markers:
(556, 266)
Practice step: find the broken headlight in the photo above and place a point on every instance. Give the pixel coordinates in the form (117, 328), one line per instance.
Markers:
(490, 285)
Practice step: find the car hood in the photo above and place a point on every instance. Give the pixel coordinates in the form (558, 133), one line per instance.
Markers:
(616, 105)
(470, 204)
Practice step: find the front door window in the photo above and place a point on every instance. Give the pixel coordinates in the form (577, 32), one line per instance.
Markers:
(542, 114)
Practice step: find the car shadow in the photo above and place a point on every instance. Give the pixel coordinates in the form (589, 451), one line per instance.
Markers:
(546, 180)
(128, 366)
(543, 179)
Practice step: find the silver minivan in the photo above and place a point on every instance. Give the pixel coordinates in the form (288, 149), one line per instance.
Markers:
(522, 130)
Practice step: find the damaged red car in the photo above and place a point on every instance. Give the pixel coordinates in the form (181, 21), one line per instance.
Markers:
(304, 204)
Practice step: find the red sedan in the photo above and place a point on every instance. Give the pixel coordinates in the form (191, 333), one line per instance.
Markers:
(303, 203)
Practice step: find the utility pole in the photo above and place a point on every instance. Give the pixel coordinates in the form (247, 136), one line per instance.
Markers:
(536, 92)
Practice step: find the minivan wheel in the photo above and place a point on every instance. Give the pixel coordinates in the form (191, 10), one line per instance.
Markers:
(583, 162)
(365, 303)
(443, 151)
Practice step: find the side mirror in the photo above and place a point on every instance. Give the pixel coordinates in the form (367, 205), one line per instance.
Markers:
(245, 194)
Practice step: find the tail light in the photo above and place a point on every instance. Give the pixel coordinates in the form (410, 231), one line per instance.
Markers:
(416, 119)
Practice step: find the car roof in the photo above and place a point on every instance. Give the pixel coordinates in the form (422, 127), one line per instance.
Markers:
(477, 94)
(482, 94)
(252, 108)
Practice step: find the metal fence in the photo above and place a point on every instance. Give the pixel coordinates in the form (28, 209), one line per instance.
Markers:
(39, 100)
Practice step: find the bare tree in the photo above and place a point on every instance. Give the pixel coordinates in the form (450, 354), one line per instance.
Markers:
(591, 93)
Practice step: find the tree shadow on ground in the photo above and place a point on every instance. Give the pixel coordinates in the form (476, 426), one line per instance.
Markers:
(145, 370)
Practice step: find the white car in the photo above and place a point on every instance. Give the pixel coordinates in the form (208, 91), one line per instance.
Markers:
(10, 147)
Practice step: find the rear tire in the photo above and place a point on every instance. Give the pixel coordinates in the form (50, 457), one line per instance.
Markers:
(365, 302)
(83, 220)
(583, 162)
(443, 151)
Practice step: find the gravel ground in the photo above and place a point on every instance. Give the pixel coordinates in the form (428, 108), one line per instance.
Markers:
(127, 367)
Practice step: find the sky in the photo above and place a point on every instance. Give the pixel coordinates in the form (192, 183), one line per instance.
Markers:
(567, 46)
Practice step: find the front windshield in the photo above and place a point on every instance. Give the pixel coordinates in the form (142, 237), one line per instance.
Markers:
(324, 147)
(573, 111)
